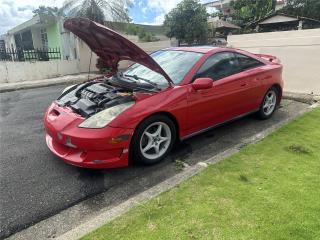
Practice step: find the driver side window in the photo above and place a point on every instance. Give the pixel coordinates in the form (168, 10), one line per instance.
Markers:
(219, 65)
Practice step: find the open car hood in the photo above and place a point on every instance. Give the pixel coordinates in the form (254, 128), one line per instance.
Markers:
(110, 46)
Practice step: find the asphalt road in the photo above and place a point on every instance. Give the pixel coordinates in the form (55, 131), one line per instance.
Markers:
(34, 184)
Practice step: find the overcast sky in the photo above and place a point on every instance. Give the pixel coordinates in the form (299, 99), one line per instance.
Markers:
(14, 12)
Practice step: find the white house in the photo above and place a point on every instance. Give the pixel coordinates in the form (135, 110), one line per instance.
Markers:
(42, 33)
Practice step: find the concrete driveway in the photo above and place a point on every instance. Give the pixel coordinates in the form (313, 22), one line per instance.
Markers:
(34, 184)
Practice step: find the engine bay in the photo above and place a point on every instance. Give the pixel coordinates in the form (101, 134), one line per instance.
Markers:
(90, 98)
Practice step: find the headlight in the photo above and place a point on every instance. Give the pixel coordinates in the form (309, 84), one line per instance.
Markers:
(101, 119)
(67, 88)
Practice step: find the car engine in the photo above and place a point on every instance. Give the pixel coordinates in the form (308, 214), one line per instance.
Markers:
(89, 98)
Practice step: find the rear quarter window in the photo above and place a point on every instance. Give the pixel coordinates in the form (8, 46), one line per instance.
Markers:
(247, 62)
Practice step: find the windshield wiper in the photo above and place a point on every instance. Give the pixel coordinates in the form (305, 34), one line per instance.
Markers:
(143, 79)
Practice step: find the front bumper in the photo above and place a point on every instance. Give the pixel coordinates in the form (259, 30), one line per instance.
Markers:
(87, 148)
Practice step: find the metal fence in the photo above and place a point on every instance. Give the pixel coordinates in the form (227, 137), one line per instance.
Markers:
(39, 54)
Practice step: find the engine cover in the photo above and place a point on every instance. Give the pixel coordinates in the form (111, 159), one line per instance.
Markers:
(89, 98)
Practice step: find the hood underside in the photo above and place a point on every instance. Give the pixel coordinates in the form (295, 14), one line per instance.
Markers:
(110, 46)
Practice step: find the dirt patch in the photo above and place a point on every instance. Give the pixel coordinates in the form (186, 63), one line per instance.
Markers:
(298, 149)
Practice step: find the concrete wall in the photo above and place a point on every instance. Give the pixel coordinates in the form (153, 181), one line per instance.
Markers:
(25, 71)
(299, 52)
(150, 47)
(84, 53)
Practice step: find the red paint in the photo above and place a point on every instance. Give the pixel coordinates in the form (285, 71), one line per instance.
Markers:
(202, 83)
(90, 144)
(192, 109)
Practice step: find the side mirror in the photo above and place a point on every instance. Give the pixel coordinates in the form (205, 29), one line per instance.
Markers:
(202, 83)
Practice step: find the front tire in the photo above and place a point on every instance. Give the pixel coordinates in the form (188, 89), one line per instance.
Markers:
(269, 104)
(153, 139)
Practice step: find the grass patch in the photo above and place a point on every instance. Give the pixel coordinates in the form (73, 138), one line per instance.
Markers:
(270, 190)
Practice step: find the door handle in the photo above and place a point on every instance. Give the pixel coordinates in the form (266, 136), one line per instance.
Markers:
(243, 85)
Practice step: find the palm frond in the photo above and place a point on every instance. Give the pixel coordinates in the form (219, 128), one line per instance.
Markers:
(74, 11)
(68, 4)
(98, 10)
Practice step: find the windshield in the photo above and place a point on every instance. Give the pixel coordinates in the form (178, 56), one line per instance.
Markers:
(175, 63)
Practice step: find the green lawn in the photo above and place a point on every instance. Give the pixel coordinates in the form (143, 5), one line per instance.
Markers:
(270, 190)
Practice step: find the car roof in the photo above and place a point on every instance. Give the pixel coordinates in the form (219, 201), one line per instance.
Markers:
(197, 49)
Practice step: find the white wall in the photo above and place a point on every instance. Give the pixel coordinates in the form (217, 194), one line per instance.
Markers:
(150, 47)
(84, 53)
(299, 52)
(25, 71)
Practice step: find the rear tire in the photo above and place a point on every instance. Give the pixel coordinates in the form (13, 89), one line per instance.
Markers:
(269, 103)
(153, 140)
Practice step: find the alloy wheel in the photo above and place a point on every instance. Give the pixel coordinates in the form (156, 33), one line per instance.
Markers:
(155, 140)
(269, 103)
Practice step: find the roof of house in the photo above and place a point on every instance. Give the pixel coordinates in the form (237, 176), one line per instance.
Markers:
(281, 17)
(220, 24)
(37, 19)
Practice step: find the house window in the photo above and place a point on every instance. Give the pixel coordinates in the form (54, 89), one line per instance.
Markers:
(44, 38)
(24, 40)
(27, 40)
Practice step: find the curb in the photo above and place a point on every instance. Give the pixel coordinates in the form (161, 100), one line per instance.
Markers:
(108, 215)
(301, 97)
(68, 79)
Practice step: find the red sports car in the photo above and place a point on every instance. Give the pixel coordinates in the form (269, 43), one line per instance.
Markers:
(170, 95)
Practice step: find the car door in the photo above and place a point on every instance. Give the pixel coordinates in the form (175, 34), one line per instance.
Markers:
(253, 73)
(224, 100)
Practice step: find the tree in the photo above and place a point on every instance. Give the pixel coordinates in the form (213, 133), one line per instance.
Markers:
(98, 10)
(144, 36)
(247, 11)
(187, 22)
(51, 11)
(302, 8)
(132, 29)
